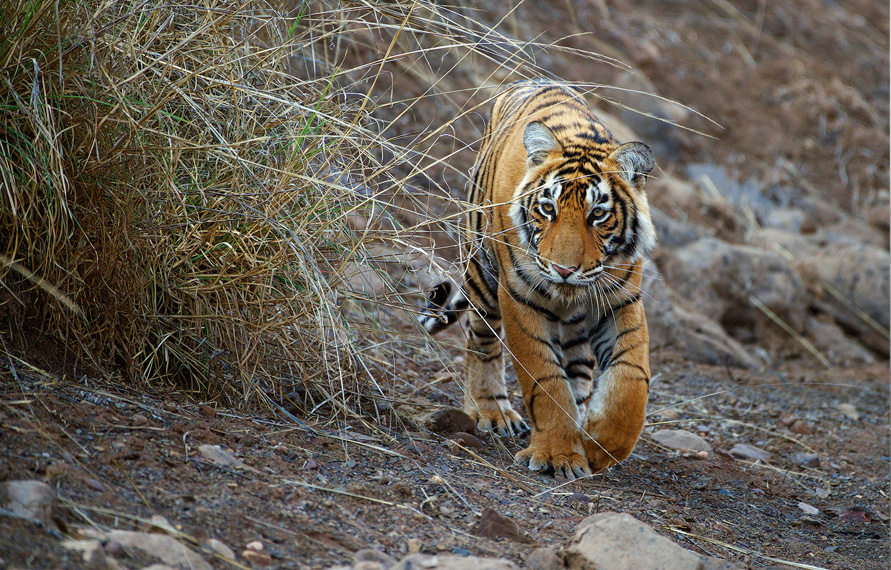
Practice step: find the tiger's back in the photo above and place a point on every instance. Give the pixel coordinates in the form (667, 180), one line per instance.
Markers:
(554, 249)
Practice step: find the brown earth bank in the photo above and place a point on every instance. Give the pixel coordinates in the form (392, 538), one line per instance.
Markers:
(791, 188)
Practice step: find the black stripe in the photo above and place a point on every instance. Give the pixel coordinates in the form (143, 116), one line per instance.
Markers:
(531, 304)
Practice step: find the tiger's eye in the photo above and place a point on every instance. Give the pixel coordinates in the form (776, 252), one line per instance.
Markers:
(547, 209)
(598, 213)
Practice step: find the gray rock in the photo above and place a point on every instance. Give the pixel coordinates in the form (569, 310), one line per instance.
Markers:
(681, 440)
(744, 451)
(718, 279)
(92, 553)
(31, 499)
(861, 274)
(834, 344)
(219, 456)
(166, 548)
(493, 524)
(425, 562)
(673, 322)
(544, 559)
(610, 541)
(384, 561)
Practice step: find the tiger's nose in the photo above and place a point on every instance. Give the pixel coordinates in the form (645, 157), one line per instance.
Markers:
(564, 272)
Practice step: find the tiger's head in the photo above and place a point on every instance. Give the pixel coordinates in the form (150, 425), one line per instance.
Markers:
(581, 214)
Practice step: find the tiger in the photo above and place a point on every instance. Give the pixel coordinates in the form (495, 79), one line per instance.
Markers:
(557, 230)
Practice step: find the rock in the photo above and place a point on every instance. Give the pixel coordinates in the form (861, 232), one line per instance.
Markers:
(744, 451)
(466, 440)
(612, 540)
(719, 278)
(219, 456)
(164, 547)
(861, 274)
(95, 485)
(425, 562)
(672, 233)
(493, 524)
(255, 545)
(159, 523)
(92, 552)
(257, 559)
(672, 321)
(544, 559)
(711, 563)
(809, 509)
(801, 427)
(114, 548)
(451, 420)
(811, 460)
(835, 345)
(31, 499)
(849, 410)
(220, 548)
(384, 561)
(681, 440)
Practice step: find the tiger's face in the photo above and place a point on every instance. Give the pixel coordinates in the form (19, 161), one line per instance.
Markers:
(580, 216)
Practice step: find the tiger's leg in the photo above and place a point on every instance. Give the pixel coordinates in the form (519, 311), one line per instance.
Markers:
(555, 443)
(486, 399)
(578, 358)
(617, 411)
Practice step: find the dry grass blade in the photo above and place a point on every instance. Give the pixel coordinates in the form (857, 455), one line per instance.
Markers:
(792, 332)
(744, 550)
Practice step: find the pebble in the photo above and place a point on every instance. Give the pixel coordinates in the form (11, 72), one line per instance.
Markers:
(95, 484)
(680, 439)
(801, 427)
(849, 410)
(219, 456)
(257, 558)
(544, 559)
(809, 509)
(493, 524)
(254, 545)
(374, 555)
(451, 420)
(220, 548)
(807, 459)
(114, 548)
(31, 499)
(413, 545)
(744, 451)
(464, 439)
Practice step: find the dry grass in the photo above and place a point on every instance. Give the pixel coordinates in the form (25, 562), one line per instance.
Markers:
(218, 196)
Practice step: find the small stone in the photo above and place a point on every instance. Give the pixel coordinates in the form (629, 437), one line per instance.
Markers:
(809, 509)
(169, 550)
(255, 545)
(801, 427)
(683, 440)
(57, 470)
(414, 545)
(811, 460)
(114, 548)
(744, 451)
(95, 484)
(450, 562)
(669, 414)
(465, 439)
(220, 548)
(493, 524)
(92, 552)
(849, 410)
(219, 456)
(257, 558)
(373, 555)
(160, 524)
(451, 420)
(544, 559)
(31, 499)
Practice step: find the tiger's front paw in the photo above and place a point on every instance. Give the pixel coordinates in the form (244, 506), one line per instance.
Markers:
(498, 417)
(607, 444)
(563, 456)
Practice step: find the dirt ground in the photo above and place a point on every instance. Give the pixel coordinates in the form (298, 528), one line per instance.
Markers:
(784, 84)
(315, 495)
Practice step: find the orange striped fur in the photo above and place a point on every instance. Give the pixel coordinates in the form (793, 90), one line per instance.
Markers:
(554, 260)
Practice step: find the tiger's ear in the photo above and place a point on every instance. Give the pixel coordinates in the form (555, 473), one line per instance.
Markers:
(539, 142)
(635, 160)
